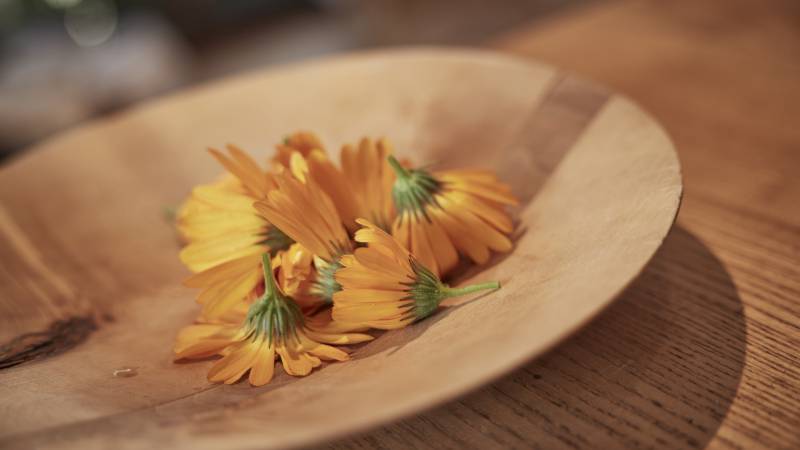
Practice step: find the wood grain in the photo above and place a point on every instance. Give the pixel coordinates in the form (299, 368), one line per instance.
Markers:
(702, 350)
(84, 209)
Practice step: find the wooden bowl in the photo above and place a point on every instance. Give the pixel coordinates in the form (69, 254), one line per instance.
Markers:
(91, 279)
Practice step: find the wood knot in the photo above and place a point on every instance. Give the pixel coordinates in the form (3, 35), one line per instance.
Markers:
(60, 337)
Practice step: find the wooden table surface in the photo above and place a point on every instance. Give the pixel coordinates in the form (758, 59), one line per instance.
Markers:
(703, 350)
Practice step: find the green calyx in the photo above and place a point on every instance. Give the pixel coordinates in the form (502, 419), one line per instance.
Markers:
(276, 240)
(325, 284)
(414, 189)
(275, 314)
(428, 291)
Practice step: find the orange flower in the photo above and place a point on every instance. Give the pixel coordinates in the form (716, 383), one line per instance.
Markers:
(274, 326)
(385, 287)
(226, 235)
(443, 214)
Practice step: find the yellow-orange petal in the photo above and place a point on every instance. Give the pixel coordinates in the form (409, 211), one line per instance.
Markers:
(491, 212)
(479, 230)
(421, 247)
(209, 345)
(370, 312)
(370, 296)
(392, 323)
(264, 367)
(323, 351)
(233, 365)
(298, 166)
(322, 328)
(220, 197)
(202, 255)
(255, 180)
(193, 334)
(376, 262)
(293, 362)
(443, 248)
(353, 278)
(481, 184)
(333, 182)
(373, 235)
(461, 237)
(224, 271)
(340, 338)
(220, 299)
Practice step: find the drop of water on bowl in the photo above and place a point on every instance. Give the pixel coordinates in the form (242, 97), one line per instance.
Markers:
(126, 372)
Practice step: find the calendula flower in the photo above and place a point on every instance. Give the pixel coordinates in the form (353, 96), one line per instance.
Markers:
(273, 326)
(371, 179)
(385, 287)
(308, 216)
(442, 214)
(226, 235)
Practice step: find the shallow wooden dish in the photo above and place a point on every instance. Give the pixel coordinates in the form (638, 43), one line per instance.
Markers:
(90, 281)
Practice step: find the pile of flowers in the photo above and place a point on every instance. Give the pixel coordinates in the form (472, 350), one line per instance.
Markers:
(298, 259)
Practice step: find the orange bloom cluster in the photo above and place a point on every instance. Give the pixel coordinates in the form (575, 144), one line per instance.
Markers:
(297, 259)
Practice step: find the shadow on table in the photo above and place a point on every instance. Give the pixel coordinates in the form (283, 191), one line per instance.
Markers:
(659, 368)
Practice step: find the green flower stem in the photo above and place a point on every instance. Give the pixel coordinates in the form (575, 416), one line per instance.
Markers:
(399, 170)
(270, 288)
(448, 292)
(274, 314)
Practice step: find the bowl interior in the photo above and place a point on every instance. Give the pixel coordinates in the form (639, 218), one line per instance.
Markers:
(90, 263)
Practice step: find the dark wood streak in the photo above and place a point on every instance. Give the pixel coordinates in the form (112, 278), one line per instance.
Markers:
(60, 337)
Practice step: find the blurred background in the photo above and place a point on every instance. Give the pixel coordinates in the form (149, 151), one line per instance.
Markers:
(64, 61)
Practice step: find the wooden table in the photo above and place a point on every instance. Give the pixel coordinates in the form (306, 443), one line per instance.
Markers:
(704, 349)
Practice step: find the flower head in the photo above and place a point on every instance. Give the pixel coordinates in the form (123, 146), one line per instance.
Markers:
(385, 287)
(443, 214)
(226, 235)
(274, 325)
